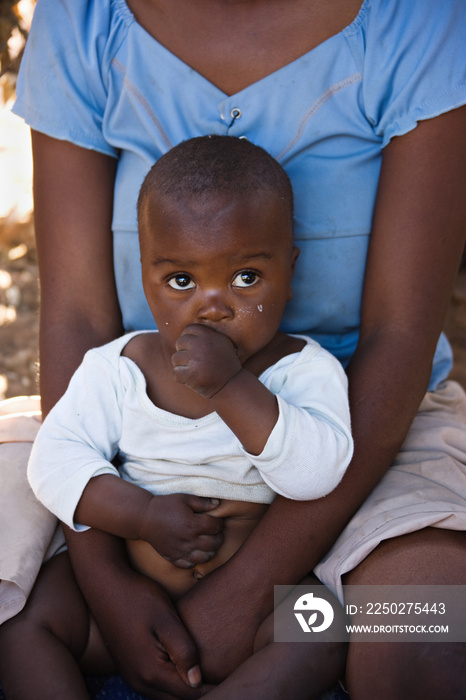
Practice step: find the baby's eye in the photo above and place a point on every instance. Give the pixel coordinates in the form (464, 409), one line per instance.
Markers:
(245, 278)
(181, 281)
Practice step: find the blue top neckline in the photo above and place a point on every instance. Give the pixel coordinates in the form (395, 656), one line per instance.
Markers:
(130, 20)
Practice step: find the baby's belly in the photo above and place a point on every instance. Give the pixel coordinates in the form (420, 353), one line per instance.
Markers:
(240, 518)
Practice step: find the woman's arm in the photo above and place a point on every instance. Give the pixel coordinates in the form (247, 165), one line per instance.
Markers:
(418, 235)
(73, 200)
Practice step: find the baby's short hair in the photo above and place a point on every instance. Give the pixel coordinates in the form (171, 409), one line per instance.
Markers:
(216, 163)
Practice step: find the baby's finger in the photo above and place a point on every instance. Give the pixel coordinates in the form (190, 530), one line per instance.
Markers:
(181, 374)
(204, 524)
(191, 336)
(184, 563)
(180, 359)
(201, 504)
(208, 543)
(196, 557)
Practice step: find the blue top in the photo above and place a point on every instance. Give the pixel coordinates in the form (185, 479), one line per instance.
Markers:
(93, 76)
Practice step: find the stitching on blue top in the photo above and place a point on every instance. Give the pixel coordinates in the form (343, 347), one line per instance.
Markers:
(142, 101)
(124, 11)
(419, 112)
(359, 19)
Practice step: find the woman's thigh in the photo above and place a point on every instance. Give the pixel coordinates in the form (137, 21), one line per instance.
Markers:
(396, 670)
(431, 556)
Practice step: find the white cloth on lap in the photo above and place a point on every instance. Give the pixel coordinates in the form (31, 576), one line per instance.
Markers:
(26, 527)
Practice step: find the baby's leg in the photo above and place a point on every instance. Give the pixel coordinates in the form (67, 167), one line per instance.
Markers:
(41, 646)
(287, 670)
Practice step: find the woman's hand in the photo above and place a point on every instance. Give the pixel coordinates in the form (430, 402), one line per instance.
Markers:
(140, 626)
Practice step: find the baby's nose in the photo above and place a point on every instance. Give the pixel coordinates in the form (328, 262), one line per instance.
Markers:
(214, 308)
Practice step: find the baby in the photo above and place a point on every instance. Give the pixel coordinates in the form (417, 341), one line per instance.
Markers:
(177, 439)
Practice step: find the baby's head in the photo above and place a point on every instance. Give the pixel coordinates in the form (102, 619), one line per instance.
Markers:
(217, 164)
(216, 236)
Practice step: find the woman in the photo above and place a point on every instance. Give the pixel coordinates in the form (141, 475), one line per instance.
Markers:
(362, 106)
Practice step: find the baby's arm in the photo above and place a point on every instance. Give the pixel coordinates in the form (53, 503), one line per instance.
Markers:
(207, 362)
(71, 472)
(176, 525)
(300, 441)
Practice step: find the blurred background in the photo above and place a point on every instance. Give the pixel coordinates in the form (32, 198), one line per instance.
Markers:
(19, 295)
(19, 291)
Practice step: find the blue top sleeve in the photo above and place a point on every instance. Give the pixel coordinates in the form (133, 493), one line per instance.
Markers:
(61, 87)
(413, 62)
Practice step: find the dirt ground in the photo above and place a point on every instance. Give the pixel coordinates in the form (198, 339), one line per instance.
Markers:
(19, 298)
(19, 312)
(19, 293)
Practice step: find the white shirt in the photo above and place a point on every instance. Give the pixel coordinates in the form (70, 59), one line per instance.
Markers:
(106, 412)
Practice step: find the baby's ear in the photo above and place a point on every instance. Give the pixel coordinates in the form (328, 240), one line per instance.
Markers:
(294, 256)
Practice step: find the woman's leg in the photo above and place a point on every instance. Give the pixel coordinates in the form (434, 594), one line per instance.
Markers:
(288, 670)
(41, 646)
(405, 671)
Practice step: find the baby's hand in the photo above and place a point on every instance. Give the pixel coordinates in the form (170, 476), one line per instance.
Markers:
(205, 360)
(179, 528)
